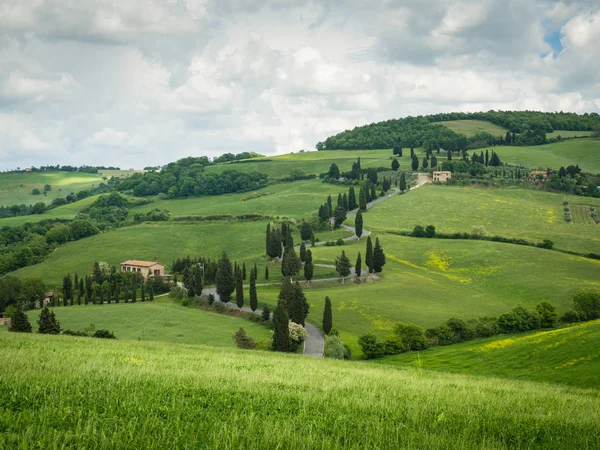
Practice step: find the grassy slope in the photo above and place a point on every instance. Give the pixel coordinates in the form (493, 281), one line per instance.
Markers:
(585, 152)
(427, 281)
(148, 321)
(92, 394)
(243, 241)
(567, 355)
(62, 184)
(511, 212)
(472, 127)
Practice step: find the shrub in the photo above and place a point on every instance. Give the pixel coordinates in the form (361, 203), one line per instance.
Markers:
(413, 336)
(430, 231)
(460, 329)
(20, 321)
(211, 299)
(570, 316)
(508, 323)
(418, 231)
(546, 243)
(104, 334)
(486, 326)
(242, 340)
(334, 348)
(528, 320)
(75, 333)
(547, 313)
(371, 346)
(442, 335)
(340, 241)
(393, 345)
(266, 313)
(298, 333)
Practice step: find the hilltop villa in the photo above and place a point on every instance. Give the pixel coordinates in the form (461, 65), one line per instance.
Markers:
(441, 177)
(146, 268)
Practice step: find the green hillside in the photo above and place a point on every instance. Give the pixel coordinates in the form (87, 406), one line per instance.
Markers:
(472, 127)
(79, 392)
(15, 188)
(509, 212)
(160, 320)
(566, 355)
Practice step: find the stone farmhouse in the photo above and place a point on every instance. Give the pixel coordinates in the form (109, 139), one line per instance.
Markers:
(146, 268)
(441, 176)
(538, 175)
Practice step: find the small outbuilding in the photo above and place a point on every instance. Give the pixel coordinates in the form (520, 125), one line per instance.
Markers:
(5, 321)
(441, 176)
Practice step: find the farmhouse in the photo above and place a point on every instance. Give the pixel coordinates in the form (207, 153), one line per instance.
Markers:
(538, 175)
(146, 268)
(5, 321)
(441, 176)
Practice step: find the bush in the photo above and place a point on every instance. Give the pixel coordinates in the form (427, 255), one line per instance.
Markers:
(75, 333)
(393, 345)
(211, 299)
(508, 323)
(266, 313)
(547, 313)
(546, 243)
(486, 326)
(587, 304)
(418, 231)
(460, 329)
(104, 334)
(242, 340)
(413, 336)
(298, 333)
(340, 241)
(570, 316)
(371, 346)
(334, 348)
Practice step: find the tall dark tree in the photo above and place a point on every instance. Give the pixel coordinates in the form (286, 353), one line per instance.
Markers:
(415, 163)
(373, 195)
(255, 270)
(268, 238)
(369, 255)
(352, 204)
(298, 307)
(339, 216)
(362, 199)
(334, 171)
(244, 271)
(19, 321)
(412, 152)
(487, 157)
(386, 184)
(291, 264)
(302, 252)
(358, 266)
(224, 279)
(305, 231)
(151, 292)
(68, 287)
(449, 155)
(308, 266)
(358, 224)
(378, 257)
(133, 293)
(266, 272)
(253, 296)
(143, 294)
(345, 203)
(47, 323)
(343, 265)
(433, 161)
(327, 316)
(425, 163)
(281, 328)
(239, 289)
(402, 182)
(340, 201)
(197, 278)
(274, 244)
(395, 164)
(329, 205)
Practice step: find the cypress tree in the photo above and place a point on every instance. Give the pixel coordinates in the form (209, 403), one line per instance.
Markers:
(425, 163)
(19, 322)
(65, 301)
(47, 323)
(342, 264)
(255, 270)
(358, 224)
(329, 205)
(487, 155)
(125, 294)
(239, 289)
(284, 233)
(373, 193)
(358, 266)
(197, 279)
(290, 265)
(433, 161)
(412, 152)
(378, 257)
(78, 297)
(402, 182)
(268, 238)
(327, 316)
(352, 199)
(395, 164)
(308, 266)
(369, 255)
(299, 307)
(133, 293)
(449, 155)
(253, 297)
(244, 271)
(266, 272)
(117, 293)
(81, 286)
(151, 292)
(274, 247)
(345, 203)
(362, 198)
(340, 201)
(225, 280)
(305, 231)
(415, 163)
(281, 329)
(302, 252)
(143, 293)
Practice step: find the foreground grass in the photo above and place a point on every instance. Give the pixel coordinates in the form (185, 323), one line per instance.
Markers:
(160, 320)
(15, 188)
(566, 355)
(510, 212)
(58, 392)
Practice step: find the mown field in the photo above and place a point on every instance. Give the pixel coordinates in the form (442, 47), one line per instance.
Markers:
(15, 188)
(472, 127)
(159, 320)
(427, 281)
(164, 242)
(585, 152)
(60, 391)
(567, 355)
(510, 212)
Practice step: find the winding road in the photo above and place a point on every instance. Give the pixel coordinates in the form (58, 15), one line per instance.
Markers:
(315, 343)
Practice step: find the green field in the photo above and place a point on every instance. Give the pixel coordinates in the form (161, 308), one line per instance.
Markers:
(164, 242)
(427, 281)
(65, 392)
(585, 152)
(566, 355)
(509, 212)
(15, 188)
(471, 127)
(160, 320)
(314, 162)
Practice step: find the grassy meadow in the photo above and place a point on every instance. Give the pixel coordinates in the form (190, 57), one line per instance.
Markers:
(427, 281)
(509, 212)
(471, 127)
(15, 188)
(159, 320)
(61, 391)
(566, 355)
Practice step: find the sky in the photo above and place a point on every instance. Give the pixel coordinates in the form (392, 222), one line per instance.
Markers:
(139, 83)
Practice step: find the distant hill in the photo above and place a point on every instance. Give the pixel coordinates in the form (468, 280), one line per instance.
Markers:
(434, 131)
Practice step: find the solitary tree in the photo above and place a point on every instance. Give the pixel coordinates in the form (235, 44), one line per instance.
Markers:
(358, 224)
(358, 265)
(47, 323)
(369, 255)
(281, 330)
(224, 279)
(342, 264)
(395, 164)
(378, 257)
(308, 266)
(253, 296)
(19, 321)
(327, 316)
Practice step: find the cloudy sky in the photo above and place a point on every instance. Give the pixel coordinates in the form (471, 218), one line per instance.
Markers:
(136, 83)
